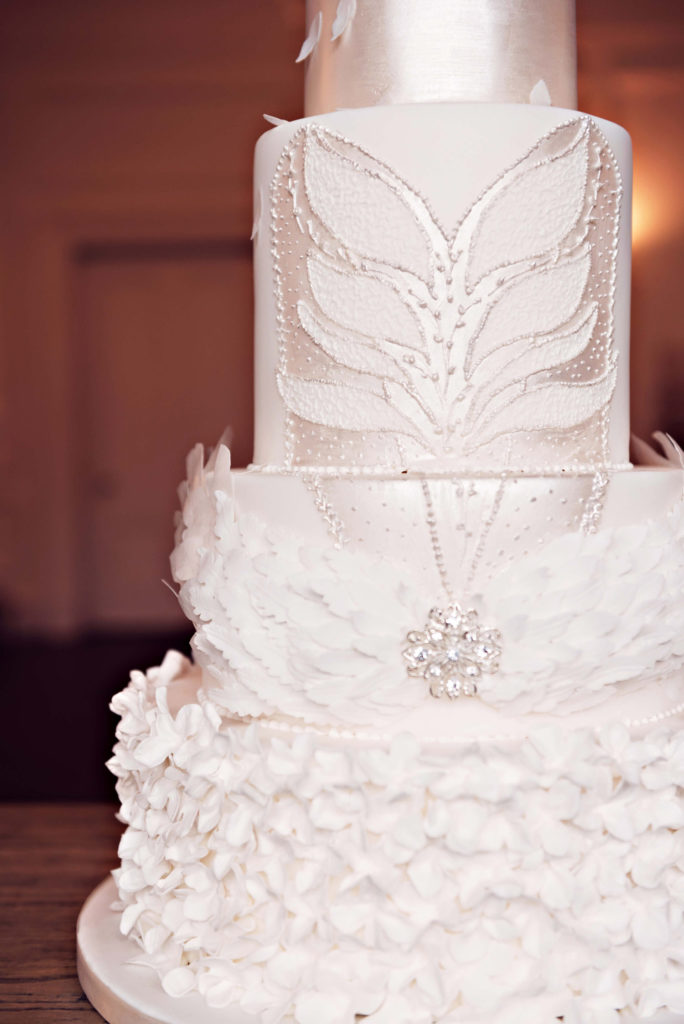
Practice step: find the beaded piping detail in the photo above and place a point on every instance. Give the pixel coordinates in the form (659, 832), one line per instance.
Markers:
(404, 341)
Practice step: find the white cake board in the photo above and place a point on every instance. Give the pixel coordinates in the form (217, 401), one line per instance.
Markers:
(126, 993)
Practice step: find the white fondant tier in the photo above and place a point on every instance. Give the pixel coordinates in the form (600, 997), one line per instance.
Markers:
(303, 878)
(303, 588)
(443, 284)
(380, 52)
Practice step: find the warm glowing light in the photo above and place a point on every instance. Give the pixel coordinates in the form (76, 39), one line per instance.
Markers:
(657, 213)
(647, 217)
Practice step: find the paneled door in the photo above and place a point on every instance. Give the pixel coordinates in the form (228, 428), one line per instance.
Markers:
(162, 351)
(128, 132)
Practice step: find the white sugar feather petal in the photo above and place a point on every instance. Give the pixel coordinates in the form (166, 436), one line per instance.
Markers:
(312, 37)
(540, 95)
(346, 9)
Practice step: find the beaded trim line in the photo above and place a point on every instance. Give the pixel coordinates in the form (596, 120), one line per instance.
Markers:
(389, 472)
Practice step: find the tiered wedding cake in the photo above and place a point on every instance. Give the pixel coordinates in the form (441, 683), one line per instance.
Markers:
(427, 766)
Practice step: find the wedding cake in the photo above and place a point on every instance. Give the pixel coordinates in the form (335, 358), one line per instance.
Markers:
(426, 765)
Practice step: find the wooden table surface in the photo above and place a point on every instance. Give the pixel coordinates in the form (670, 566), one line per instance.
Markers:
(51, 857)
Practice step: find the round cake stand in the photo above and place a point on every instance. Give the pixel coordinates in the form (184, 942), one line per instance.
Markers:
(126, 993)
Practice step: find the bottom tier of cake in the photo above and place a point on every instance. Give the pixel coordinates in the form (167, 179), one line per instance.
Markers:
(321, 878)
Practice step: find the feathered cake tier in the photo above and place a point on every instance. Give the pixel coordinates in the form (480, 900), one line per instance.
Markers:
(311, 597)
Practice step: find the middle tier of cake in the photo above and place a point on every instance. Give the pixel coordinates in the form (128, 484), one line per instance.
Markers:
(355, 600)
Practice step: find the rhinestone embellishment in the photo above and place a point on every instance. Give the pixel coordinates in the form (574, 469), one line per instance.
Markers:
(452, 652)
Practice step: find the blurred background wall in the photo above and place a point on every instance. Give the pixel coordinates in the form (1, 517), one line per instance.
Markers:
(127, 131)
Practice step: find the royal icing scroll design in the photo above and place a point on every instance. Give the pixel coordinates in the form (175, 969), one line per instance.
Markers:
(400, 341)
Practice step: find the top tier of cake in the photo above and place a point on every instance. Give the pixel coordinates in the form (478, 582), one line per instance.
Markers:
(380, 52)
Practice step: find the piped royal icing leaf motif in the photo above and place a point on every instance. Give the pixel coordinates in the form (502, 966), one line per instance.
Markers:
(356, 352)
(521, 363)
(313, 400)
(529, 308)
(407, 342)
(565, 405)
(363, 303)
(533, 212)
(370, 212)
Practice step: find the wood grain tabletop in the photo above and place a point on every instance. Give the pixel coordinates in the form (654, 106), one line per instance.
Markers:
(51, 857)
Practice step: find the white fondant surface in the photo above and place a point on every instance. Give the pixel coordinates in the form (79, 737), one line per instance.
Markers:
(486, 50)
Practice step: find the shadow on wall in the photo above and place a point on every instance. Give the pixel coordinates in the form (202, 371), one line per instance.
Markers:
(671, 398)
(58, 734)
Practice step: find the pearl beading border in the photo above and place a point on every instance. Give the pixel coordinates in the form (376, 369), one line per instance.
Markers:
(337, 733)
(465, 472)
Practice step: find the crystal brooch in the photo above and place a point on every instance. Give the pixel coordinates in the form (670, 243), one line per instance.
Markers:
(452, 652)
